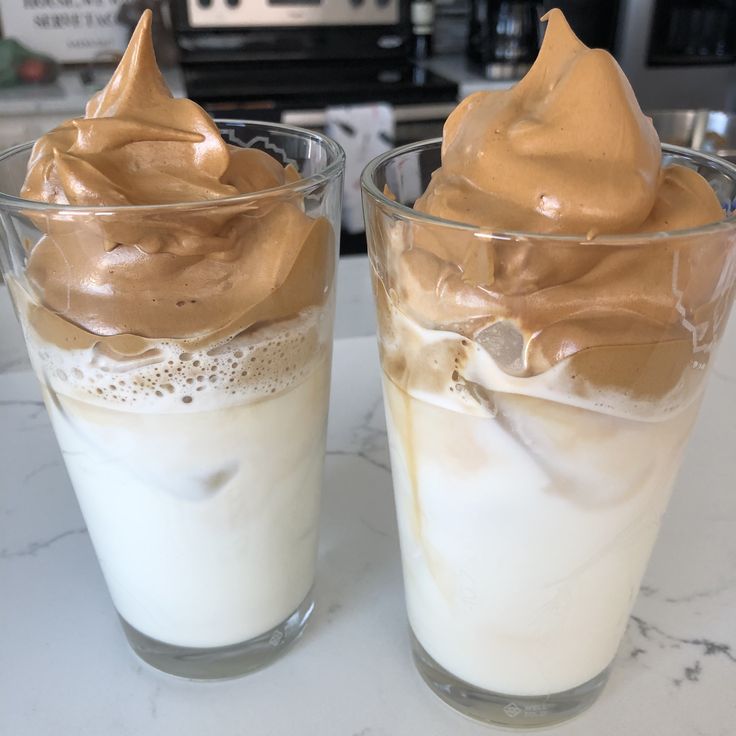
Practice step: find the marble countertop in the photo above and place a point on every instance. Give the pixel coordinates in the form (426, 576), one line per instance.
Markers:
(65, 667)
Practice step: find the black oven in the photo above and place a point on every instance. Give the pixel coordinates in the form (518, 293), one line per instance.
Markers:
(288, 60)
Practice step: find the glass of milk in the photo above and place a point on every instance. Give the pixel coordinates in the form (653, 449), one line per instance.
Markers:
(197, 459)
(529, 495)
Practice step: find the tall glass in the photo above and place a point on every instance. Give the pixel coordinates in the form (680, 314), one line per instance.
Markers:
(530, 473)
(197, 459)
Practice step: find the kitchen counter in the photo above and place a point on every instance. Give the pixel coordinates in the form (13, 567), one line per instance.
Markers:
(65, 667)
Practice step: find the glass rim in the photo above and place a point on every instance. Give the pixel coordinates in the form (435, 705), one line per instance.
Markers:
(409, 213)
(300, 186)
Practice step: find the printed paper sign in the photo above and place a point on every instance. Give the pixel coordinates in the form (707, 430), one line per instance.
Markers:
(67, 30)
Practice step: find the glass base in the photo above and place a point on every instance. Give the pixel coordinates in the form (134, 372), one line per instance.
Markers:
(221, 662)
(510, 711)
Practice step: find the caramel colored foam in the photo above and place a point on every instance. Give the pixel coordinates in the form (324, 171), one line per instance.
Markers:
(182, 273)
(567, 151)
(167, 377)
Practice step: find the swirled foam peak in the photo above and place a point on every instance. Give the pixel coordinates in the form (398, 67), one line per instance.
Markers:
(166, 272)
(566, 152)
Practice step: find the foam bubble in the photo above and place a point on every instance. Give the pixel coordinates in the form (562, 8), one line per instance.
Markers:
(438, 378)
(249, 367)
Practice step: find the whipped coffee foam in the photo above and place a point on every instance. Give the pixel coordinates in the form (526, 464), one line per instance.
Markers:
(210, 270)
(461, 375)
(567, 153)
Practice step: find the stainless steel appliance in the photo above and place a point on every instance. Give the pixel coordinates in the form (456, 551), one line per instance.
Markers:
(288, 60)
(680, 53)
(250, 30)
(247, 13)
(676, 53)
(704, 130)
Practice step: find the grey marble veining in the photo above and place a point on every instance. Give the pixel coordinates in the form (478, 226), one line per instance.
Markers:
(65, 667)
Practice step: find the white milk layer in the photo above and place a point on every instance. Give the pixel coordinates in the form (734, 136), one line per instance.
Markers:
(526, 525)
(202, 506)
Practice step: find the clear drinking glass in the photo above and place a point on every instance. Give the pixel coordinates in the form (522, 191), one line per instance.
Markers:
(529, 496)
(197, 463)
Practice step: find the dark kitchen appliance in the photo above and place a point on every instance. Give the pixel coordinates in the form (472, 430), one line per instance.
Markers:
(675, 53)
(680, 53)
(268, 30)
(503, 37)
(595, 22)
(288, 60)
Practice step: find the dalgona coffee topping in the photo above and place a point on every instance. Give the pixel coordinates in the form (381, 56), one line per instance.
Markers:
(567, 151)
(166, 273)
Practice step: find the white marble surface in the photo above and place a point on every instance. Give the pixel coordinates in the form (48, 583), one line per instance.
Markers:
(65, 667)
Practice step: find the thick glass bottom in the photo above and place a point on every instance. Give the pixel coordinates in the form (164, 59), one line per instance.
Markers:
(221, 662)
(501, 709)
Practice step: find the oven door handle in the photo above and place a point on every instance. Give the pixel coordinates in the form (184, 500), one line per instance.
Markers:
(402, 114)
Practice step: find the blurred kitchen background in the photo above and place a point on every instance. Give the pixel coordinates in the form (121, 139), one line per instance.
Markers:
(373, 73)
